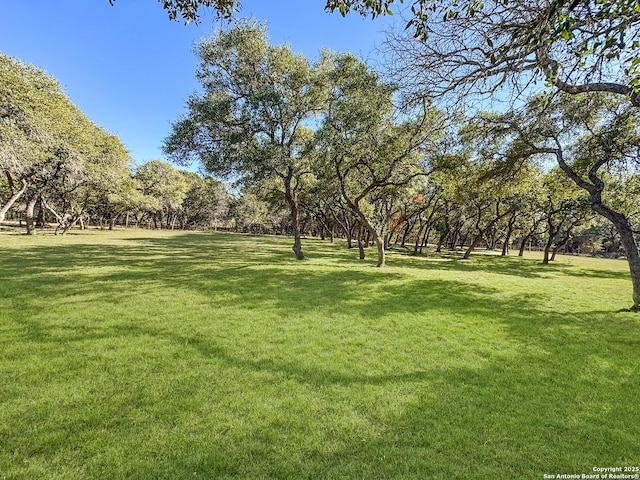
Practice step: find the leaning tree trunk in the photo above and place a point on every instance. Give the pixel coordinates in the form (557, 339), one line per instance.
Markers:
(474, 244)
(379, 239)
(620, 221)
(481, 233)
(417, 243)
(405, 234)
(629, 244)
(561, 244)
(425, 239)
(70, 223)
(12, 199)
(553, 231)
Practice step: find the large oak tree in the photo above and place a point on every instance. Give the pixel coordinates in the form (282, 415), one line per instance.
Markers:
(369, 147)
(250, 120)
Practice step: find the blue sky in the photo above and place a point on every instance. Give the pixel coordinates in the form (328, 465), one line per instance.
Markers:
(130, 69)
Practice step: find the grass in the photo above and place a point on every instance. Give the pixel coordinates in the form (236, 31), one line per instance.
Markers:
(158, 355)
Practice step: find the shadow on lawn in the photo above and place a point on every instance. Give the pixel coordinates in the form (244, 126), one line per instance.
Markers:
(558, 399)
(512, 417)
(508, 265)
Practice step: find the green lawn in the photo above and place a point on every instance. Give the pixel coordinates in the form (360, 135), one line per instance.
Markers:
(158, 355)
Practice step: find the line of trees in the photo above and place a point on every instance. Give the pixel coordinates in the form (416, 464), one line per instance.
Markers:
(353, 165)
(320, 150)
(267, 115)
(56, 165)
(467, 50)
(329, 141)
(331, 144)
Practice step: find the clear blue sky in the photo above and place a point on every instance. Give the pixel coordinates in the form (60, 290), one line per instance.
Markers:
(130, 69)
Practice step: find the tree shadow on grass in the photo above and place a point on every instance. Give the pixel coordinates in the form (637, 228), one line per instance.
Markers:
(558, 399)
(502, 388)
(235, 270)
(508, 265)
(558, 407)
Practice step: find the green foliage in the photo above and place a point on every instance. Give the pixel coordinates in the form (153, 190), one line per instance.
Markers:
(373, 8)
(49, 146)
(251, 120)
(372, 152)
(189, 10)
(571, 46)
(206, 202)
(256, 99)
(30, 103)
(155, 355)
(163, 182)
(251, 213)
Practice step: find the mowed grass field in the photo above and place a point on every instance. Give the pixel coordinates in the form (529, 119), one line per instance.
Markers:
(160, 355)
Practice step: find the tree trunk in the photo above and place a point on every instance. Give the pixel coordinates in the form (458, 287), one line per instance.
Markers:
(507, 240)
(560, 245)
(528, 237)
(348, 231)
(360, 242)
(473, 245)
(553, 231)
(345, 225)
(371, 230)
(387, 240)
(295, 216)
(523, 244)
(378, 239)
(547, 249)
(505, 245)
(443, 237)
(417, 246)
(29, 217)
(425, 239)
(12, 199)
(70, 223)
(380, 244)
(405, 234)
(40, 216)
(492, 239)
(620, 221)
(454, 239)
(629, 245)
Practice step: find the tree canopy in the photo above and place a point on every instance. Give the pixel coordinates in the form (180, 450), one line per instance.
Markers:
(189, 10)
(48, 148)
(328, 149)
(471, 47)
(251, 119)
